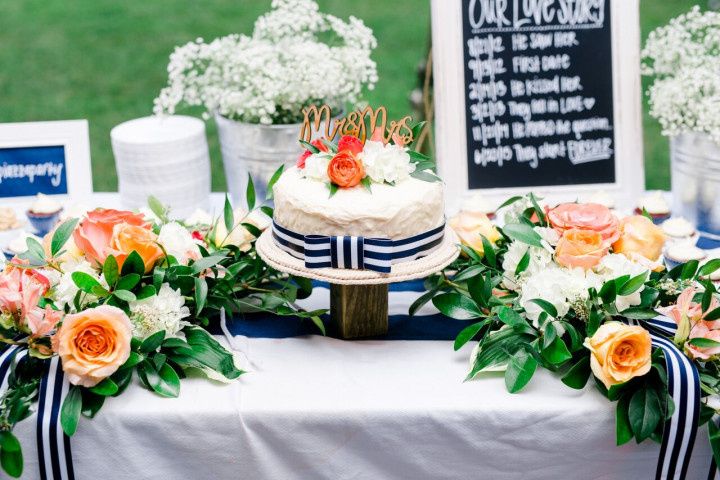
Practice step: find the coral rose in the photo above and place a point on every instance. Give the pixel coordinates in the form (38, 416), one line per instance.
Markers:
(95, 232)
(93, 344)
(640, 236)
(619, 353)
(580, 248)
(585, 216)
(128, 238)
(469, 226)
(345, 169)
(317, 143)
(351, 144)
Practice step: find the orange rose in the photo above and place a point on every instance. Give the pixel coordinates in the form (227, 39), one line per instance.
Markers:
(639, 235)
(580, 248)
(94, 233)
(127, 238)
(93, 344)
(585, 216)
(619, 353)
(469, 226)
(345, 169)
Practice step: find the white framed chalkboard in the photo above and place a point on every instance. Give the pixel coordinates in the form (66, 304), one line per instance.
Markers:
(538, 95)
(52, 158)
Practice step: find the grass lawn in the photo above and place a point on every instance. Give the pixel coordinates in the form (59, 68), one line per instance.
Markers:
(105, 61)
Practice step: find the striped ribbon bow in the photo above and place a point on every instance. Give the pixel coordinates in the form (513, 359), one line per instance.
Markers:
(684, 388)
(357, 253)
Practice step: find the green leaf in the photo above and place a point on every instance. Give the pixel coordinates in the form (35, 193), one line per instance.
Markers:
(639, 313)
(125, 295)
(157, 208)
(549, 335)
(153, 342)
(714, 435)
(644, 413)
(128, 282)
(633, 285)
(35, 248)
(703, 343)
(170, 384)
(713, 315)
(145, 292)
(273, 180)
(333, 188)
(623, 430)
(110, 270)
(61, 235)
(688, 271)
(84, 281)
(71, 410)
(425, 176)
(557, 352)
(202, 264)
(417, 157)
(421, 301)
(11, 458)
(467, 334)
(254, 231)
(209, 353)
(367, 183)
(132, 360)
(250, 194)
(523, 233)
(228, 216)
(267, 210)
(318, 323)
(593, 323)
(91, 403)
(201, 291)
(578, 374)
(133, 264)
(309, 146)
(520, 370)
(509, 316)
(547, 307)
(417, 130)
(457, 306)
(608, 292)
(523, 263)
(105, 388)
(710, 267)
(488, 251)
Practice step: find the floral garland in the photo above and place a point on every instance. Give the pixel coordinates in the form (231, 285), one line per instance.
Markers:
(115, 293)
(564, 289)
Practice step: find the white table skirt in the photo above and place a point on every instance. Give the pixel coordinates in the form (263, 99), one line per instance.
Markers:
(320, 408)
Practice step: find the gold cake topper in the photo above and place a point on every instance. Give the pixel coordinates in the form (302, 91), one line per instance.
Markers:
(355, 124)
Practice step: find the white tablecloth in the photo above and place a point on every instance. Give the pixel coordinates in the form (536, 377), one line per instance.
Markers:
(320, 408)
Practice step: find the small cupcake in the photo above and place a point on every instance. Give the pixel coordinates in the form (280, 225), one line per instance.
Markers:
(8, 219)
(479, 204)
(678, 253)
(601, 197)
(18, 245)
(655, 205)
(678, 229)
(44, 213)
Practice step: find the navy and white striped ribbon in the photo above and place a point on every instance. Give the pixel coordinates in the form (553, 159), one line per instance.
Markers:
(684, 388)
(357, 253)
(54, 452)
(11, 353)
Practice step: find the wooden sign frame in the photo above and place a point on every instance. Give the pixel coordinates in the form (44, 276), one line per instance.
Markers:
(450, 126)
(73, 135)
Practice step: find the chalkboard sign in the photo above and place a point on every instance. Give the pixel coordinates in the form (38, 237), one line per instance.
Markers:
(32, 170)
(52, 158)
(545, 102)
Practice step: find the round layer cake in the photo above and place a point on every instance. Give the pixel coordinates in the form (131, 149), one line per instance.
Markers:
(408, 208)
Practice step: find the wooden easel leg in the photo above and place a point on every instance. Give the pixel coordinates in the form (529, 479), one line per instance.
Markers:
(359, 310)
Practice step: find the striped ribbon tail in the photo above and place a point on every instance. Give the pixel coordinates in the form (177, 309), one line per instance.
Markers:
(54, 453)
(357, 253)
(10, 354)
(684, 388)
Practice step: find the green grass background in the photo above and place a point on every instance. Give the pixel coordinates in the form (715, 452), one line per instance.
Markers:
(105, 60)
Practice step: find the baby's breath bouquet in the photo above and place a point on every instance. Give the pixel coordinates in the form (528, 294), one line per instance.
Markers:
(684, 58)
(296, 56)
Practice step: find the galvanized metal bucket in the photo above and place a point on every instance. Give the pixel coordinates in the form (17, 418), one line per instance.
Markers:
(695, 160)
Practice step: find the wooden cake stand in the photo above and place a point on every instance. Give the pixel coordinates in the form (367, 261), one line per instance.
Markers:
(359, 298)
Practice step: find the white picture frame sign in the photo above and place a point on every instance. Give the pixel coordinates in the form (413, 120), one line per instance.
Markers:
(51, 157)
(451, 92)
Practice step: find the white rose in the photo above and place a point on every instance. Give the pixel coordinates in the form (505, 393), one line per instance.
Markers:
(178, 242)
(386, 163)
(316, 166)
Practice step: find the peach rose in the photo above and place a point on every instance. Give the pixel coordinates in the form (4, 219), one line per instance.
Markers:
(639, 235)
(93, 344)
(580, 248)
(619, 352)
(95, 232)
(585, 216)
(470, 225)
(128, 238)
(345, 169)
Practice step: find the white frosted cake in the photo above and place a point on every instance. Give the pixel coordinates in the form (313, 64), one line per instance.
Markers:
(408, 208)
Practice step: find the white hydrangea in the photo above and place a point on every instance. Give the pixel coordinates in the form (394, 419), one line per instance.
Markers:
(269, 77)
(549, 284)
(386, 163)
(613, 266)
(163, 311)
(539, 258)
(316, 166)
(178, 242)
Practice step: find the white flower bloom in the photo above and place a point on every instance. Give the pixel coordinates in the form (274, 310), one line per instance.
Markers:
(615, 265)
(163, 311)
(316, 166)
(540, 259)
(178, 242)
(199, 217)
(549, 284)
(386, 163)
(64, 290)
